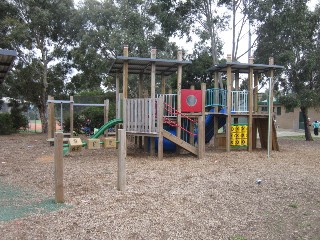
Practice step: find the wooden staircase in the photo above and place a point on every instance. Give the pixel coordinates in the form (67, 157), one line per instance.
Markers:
(180, 142)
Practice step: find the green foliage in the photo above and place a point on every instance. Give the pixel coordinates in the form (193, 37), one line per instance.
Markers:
(78, 123)
(289, 31)
(6, 125)
(16, 114)
(197, 74)
(95, 114)
(1, 103)
(41, 33)
(104, 27)
(290, 101)
(13, 121)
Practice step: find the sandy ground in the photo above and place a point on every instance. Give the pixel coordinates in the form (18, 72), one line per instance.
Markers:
(180, 197)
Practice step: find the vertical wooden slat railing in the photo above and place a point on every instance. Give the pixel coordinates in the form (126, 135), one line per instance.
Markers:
(141, 115)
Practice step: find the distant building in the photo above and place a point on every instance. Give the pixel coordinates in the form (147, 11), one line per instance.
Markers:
(288, 118)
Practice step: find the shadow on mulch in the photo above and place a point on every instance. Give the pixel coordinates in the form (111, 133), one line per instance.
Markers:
(17, 203)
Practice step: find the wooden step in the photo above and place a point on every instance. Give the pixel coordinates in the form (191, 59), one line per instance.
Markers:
(180, 142)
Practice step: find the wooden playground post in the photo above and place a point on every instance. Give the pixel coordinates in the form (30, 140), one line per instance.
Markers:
(58, 167)
(125, 73)
(203, 95)
(270, 119)
(255, 92)
(117, 94)
(203, 114)
(237, 78)
(122, 153)
(179, 86)
(163, 84)
(216, 110)
(140, 94)
(51, 118)
(153, 94)
(119, 113)
(229, 88)
(191, 138)
(160, 109)
(106, 113)
(201, 140)
(153, 73)
(236, 84)
(71, 116)
(250, 122)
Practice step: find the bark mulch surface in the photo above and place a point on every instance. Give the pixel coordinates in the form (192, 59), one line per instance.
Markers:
(181, 197)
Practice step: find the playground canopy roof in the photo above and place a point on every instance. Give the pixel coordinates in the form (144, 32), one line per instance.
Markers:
(138, 65)
(243, 67)
(6, 60)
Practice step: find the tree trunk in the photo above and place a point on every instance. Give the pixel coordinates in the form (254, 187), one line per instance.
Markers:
(234, 31)
(306, 121)
(43, 116)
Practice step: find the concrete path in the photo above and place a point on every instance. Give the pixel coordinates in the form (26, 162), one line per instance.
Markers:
(289, 132)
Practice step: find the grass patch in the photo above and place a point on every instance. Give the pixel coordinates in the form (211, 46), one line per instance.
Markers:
(293, 205)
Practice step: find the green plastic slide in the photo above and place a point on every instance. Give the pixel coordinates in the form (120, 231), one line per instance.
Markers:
(107, 125)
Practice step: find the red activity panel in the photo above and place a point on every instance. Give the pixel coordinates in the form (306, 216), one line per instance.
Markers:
(191, 100)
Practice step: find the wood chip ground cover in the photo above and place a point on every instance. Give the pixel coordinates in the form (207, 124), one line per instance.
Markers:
(180, 197)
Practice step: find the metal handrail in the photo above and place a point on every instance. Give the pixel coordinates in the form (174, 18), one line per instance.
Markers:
(239, 101)
(216, 97)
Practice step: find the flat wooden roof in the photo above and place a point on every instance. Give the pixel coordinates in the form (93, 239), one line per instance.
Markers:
(138, 65)
(243, 67)
(7, 58)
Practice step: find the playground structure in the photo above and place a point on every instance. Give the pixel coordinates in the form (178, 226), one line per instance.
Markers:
(194, 115)
(187, 119)
(244, 104)
(51, 115)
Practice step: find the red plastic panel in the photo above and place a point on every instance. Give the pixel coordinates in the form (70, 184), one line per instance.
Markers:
(191, 100)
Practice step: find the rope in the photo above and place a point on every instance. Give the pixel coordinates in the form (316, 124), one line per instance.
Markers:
(173, 124)
(175, 112)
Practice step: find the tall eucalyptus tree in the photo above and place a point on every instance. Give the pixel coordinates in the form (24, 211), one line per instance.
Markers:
(290, 32)
(39, 31)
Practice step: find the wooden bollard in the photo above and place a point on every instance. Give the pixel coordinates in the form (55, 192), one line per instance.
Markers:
(122, 153)
(58, 167)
